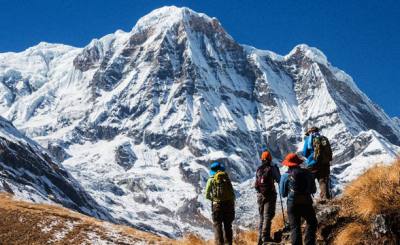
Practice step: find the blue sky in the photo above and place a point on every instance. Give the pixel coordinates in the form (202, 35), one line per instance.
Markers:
(361, 37)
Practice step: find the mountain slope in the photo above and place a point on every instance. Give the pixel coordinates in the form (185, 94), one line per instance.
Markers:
(28, 223)
(28, 172)
(138, 116)
(396, 121)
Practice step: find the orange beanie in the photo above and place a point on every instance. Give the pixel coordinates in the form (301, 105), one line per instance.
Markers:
(266, 156)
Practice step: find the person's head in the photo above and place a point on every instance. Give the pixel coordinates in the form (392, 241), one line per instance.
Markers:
(215, 167)
(312, 130)
(266, 157)
(292, 160)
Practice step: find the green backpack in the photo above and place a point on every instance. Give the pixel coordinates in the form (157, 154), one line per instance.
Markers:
(222, 187)
(322, 150)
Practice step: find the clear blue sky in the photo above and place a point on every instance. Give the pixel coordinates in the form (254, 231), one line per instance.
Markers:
(361, 37)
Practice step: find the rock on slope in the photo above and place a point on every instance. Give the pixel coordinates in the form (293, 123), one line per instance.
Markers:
(137, 116)
(27, 171)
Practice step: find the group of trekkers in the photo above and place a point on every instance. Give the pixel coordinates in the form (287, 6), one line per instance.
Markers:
(297, 184)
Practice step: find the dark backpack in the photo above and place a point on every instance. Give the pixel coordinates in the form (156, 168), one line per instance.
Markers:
(222, 187)
(322, 150)
(298, 186)
(265, 181)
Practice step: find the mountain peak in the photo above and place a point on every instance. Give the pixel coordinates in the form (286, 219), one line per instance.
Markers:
(166, 16)
(312, 53)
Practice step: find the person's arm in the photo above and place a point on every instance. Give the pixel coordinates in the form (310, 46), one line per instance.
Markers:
(256, 184)
(283, 185)
(276, 173)
(233, 191)
(208, 189)
(305, 147)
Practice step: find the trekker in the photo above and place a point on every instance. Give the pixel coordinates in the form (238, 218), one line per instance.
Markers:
(318, 153)
(297, 184)
(266, 174)
(220, 191)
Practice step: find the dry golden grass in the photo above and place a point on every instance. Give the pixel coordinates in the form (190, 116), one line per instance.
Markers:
(241, 237)
(193, 240)
(277, 223)
(377, 191)
(28, 223)
(351, 234)
(245, 237)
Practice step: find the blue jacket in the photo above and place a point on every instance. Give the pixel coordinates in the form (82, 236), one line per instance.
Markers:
(308, 150)
(284, 185)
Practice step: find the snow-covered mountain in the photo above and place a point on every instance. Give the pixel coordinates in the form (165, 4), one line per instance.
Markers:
(27, 171)
(137, 117)
(396, 121)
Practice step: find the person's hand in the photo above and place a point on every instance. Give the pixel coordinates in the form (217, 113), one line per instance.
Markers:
(300, 154)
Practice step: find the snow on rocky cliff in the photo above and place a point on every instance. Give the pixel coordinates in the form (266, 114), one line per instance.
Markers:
(27, 171)
(137, 117)
(396, 121)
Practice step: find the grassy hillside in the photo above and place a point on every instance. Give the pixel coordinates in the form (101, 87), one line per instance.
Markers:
(27, 223)
(372, 205)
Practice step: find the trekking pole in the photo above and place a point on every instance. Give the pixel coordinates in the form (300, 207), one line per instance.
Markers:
(283, 212)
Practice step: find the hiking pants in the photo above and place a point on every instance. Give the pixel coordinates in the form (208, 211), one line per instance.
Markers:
(266, 209)
(223, 214)
(295, 213)
(324, 187)
(322, 176)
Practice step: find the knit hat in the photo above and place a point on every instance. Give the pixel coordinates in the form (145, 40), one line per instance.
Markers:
(215, 167)
(266, 156)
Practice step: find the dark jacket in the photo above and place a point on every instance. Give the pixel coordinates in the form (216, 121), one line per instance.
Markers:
(284, 183)
(276, 175)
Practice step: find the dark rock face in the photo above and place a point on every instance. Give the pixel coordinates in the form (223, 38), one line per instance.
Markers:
(124, 156)
(191, 214)
(88, 58)
(16, 84)
(331, 220)
(158, 141)
(196, 178)
(45, 177)
(386, 225)
(58, 152)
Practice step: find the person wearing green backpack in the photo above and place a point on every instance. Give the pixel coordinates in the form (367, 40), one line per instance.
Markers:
(219, 191)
